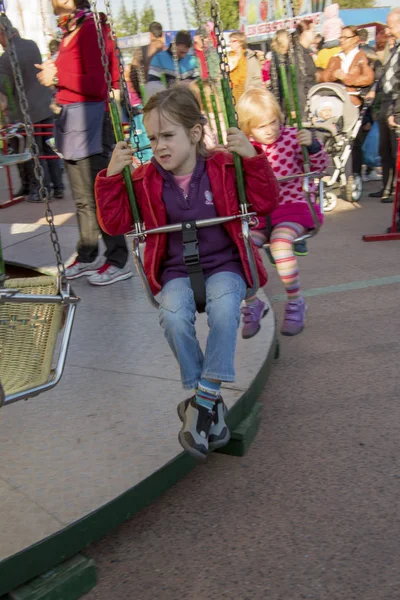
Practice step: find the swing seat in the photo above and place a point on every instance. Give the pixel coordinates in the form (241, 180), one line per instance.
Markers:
(29, 335)
(14, 159)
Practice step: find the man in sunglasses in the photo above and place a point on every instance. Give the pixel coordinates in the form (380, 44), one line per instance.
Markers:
(350, 67)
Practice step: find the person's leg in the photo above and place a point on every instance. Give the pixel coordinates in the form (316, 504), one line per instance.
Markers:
(357, 153)
(225, 292)
(177, 315)
(116, 249)
(388, 161)
(80, 176)
(254, 308)
(281, 245)
(204, 426)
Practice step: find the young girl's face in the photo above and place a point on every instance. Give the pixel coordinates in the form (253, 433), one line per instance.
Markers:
(267, 131)
(173, 148)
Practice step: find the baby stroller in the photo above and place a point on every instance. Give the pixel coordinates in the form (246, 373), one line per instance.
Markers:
(336, 122)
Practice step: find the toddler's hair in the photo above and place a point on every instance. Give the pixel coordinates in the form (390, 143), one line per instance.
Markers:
(252, 106)
(178, 104)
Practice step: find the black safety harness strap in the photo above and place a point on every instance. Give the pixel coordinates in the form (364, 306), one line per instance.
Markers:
(191, 258)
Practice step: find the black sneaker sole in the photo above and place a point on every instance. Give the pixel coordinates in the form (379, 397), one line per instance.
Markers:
(190, 449)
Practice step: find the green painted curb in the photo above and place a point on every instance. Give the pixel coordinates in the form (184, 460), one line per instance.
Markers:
(57, 548)
(69, 581)
(244, 435)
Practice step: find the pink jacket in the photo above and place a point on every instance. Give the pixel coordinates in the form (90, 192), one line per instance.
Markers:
(286, 158)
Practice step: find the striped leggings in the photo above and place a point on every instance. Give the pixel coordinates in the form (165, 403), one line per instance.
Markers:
(281, 247)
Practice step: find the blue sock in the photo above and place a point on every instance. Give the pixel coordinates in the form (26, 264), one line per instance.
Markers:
(207, 393)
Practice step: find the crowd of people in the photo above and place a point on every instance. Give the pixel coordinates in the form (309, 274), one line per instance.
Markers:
(190, 176)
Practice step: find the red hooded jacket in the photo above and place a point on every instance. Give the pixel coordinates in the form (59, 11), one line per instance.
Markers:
(115, 216)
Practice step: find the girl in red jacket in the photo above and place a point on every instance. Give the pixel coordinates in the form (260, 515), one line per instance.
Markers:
(185, 183)
(261, 119)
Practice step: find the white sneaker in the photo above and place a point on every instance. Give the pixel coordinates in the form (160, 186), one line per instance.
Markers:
(108, 274)
(372, 176)
(80, 269)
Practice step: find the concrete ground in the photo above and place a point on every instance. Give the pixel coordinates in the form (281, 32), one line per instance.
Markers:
(312, 512)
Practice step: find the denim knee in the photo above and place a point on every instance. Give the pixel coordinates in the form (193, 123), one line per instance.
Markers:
(177, 307)
(224, 297)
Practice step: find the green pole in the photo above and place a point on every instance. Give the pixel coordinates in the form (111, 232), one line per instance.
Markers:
(221, 99)
(230, 109)
(285, 90)
(143, 93)
(119, 136)
(295, 95)
(216, 115)
(204, 102)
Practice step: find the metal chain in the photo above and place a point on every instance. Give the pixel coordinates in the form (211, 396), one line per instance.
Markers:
(173, 44)
(221, 48)
(107, 71)
(33, 147)
(119, 56)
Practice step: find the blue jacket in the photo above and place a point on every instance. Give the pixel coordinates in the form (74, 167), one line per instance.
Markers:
(162, 63)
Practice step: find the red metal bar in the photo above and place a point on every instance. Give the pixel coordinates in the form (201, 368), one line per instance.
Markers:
(393, 234)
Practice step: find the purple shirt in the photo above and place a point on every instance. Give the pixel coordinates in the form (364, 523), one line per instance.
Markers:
(218, 252)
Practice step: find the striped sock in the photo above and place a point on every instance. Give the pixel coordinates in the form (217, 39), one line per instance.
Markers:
(207, 393)
(281, 245)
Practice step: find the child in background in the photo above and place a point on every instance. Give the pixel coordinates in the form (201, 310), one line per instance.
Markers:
(261, 119)
(183, 182)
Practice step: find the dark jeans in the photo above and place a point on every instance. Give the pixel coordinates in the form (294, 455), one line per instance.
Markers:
(82, 175)
(357, 153)
(388, 152)
(51, 168)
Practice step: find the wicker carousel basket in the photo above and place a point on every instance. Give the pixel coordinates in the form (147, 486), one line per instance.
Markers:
(28, 335)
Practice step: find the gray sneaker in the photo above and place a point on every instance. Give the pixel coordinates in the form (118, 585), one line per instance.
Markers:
(219, 434)
(197, 421)
(108, 274)
(81, 269)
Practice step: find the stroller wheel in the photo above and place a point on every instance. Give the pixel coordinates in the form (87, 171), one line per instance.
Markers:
(354, 188)
(330, 201)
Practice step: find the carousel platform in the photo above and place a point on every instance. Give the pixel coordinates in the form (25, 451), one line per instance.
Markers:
(81, 459)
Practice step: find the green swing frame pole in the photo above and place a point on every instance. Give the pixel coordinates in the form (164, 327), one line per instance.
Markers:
(285, 91)
(221, 99)
(143, 94)
(126, 173)
(216, 115)
(232, 122)
(297, 108)
(204, 102)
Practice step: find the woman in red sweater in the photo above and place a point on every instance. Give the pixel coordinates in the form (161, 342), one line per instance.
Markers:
(84, 134)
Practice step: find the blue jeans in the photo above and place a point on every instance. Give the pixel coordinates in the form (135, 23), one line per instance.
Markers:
(224, 294)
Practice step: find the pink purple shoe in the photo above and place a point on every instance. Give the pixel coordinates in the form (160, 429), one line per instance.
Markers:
(295, 316)
(252, 315)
